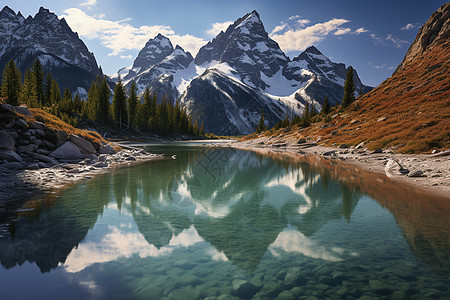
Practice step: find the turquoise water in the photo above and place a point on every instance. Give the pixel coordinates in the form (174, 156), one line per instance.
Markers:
(221, 223)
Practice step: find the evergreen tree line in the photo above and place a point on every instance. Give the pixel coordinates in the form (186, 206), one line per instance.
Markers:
(146, 116)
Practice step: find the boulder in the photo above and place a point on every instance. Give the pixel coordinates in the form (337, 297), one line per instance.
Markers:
(376, 151)
(417, 173)
(13, 165)
(38, 125)
(84, 146)
(6, 140)
(61, 137)
(27, 148)
(244, 289)
(40, 133)
(107, 149)
(22, 124)
(10, 155)
(393, 168)
(48, 145)
(68, 150)
(23, 110)
(10, 124)
(44, 158)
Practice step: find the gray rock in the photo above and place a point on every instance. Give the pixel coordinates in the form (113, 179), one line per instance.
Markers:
(68, 150)
(380, 287)
(22, 109)
(286, 295)
(417, 173)
(48, 145)
(301, 141)
(33, 167)
(13, 165)
(27, 148)
(101, 165)
(377, 151)
(244, 288)
(295, 275)
(10, 124)
(40, 133)
(44, 158)
(22, 124)
(328, 153)
(43, 152)
(343, 146)
(131, 158)
(61, 137)
(85, 146)
(14, 134)
(107, 149)
(360, 146)
(6, 140)
(38, 125)
(10, 156)
(393, 168)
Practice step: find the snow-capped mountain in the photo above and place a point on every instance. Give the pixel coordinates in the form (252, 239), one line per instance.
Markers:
(164, 69)
(50, 39)
(241, 72)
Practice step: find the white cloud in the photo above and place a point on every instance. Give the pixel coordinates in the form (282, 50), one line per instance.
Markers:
(410, 26)
(294, 17)
(300, 39)
(120, 36)
(218, 27)
(303, 22)
(360, 30)
(398, 43)
(126, 56)
(279, 28)
(89, 3)
(342, 31)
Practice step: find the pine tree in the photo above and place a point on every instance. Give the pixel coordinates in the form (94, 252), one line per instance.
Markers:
(103, 94)
(325, 106)
(132, 105)
(349, 89)
(38, 82)
(27, 94)
(261, 126)
(55, 93)
(11, 83)
(202, 129)
(47, 89)
(66, 102)
(119, 110)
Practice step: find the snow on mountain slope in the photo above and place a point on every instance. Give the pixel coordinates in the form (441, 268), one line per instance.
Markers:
(238, 74)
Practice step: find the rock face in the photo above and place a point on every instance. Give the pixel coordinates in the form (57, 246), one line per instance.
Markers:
(241, 72)
(434, 32)
(50, 39)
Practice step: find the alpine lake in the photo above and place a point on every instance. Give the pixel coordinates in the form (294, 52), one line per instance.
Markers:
(221, 223)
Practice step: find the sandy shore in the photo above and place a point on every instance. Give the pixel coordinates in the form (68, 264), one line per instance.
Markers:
(428, 172)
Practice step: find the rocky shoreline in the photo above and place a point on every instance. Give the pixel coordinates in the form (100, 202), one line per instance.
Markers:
(426, 171)
(35, 158)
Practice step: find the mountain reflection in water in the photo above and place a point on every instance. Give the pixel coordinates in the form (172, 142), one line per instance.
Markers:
(242, 203)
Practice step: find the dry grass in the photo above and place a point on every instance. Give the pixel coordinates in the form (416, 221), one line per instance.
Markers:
(56, 123)
(415, 103)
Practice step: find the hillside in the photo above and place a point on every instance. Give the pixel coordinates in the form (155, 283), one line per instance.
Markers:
(410, 111)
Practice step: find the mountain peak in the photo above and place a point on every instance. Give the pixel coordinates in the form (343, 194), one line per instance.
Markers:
(313, 50)
(7, 10)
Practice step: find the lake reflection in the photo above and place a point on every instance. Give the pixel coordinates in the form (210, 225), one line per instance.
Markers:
(220, 221)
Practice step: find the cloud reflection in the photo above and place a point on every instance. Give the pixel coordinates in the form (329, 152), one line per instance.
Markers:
(291, 240)
(120, 243)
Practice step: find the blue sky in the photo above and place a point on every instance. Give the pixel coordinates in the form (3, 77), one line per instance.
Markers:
(372, 36)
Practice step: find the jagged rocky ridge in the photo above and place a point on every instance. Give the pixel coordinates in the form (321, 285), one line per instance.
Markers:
(50, 39)
(236, 75)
